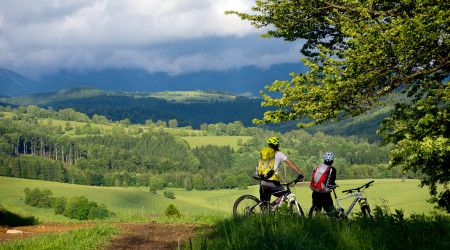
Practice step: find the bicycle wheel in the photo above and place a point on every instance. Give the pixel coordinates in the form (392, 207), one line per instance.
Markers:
(314, 212)
(365, 209)
(247, 204)
(296, 209)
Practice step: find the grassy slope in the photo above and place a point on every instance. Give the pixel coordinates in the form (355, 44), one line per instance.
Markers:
(191, 96)
(127, 202)
(232, 141)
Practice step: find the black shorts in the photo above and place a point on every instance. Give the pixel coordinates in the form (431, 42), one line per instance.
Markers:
(322, 200)
(266, 189)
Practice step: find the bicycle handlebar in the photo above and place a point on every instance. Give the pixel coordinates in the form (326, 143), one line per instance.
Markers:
(368, 184)
(261, 178)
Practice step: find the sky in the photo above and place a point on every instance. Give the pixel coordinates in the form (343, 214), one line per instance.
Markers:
(40, 37)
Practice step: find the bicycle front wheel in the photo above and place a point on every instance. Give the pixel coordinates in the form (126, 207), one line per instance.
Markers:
(295, 208)
(247, 204)
(365, 209)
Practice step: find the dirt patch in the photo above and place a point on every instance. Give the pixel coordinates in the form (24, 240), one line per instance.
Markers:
(150, 235)
(153, 235)
(28, 231)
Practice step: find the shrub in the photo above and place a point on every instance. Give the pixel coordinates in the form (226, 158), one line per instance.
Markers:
(38, 198)
(172, 211)
(78, 208)
(98, 212)
(59, 204)
(169, 194)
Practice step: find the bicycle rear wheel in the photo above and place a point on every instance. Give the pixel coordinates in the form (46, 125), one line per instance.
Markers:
(365, 209)
(247, 204)
(314, 212)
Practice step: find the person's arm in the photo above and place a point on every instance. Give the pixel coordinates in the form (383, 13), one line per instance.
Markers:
(293, 166)
(333, 177)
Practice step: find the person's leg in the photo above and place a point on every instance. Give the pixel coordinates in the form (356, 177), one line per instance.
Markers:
(264, 194)
(271, 188)
(328, 203)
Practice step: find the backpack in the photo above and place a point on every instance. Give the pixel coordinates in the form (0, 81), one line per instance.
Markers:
(266, 163)
(320, 179)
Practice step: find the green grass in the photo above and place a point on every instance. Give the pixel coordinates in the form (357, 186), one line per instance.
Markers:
(130, 203)
(232, 141)
(125, 202)
(191, 96)
(83, 238)
(287, 232)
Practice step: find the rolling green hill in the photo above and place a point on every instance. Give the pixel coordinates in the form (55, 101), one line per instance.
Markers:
(133, 203)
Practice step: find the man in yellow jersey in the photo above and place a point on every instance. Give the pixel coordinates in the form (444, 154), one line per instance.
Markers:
(270, 161)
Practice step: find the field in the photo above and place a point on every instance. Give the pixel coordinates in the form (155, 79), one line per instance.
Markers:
(191, 96)
(137, 210)
(232, 141)
(134, 202)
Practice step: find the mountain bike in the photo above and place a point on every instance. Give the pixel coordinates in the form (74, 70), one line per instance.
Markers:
(339, 211)
(249, 204)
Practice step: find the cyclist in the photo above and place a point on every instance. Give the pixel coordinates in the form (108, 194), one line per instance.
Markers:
(270, 184)
(321, 196)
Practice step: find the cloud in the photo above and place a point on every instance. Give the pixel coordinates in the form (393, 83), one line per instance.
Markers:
(173, 36)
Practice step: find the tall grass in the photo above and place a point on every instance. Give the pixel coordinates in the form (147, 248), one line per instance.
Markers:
(83, 238)
(287, 232)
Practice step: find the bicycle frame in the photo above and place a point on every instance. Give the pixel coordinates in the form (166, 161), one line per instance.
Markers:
(358, 197)
(287, 196)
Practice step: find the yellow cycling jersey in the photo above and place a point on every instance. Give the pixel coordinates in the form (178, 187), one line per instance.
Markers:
(267, 162)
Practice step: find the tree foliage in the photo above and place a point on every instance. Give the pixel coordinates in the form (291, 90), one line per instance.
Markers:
(360, 53)
(172, 211)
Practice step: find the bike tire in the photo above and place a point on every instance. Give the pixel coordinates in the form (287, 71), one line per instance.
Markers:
(366, 212)
(247, 204)
(296, 209)
(312, 212)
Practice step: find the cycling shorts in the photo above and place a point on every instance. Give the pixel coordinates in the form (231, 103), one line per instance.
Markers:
(322, 201)
(268, 188)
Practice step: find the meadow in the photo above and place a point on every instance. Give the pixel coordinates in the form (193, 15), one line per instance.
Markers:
(392, 230)
(134, 202)
(232, 141)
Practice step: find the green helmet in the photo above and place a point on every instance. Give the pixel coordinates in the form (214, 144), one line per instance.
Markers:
(273, 140)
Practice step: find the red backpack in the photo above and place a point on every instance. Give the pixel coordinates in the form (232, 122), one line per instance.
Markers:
(320, 179)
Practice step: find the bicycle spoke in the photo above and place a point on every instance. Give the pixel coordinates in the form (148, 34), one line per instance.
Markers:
(247, 204)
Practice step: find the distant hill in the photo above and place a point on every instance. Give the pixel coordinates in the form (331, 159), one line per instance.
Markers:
(244, 81)
(13, 84)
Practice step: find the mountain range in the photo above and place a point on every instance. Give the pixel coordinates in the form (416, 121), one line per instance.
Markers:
(247, 81)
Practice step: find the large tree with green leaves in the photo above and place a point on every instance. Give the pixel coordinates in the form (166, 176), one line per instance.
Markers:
(360, 53)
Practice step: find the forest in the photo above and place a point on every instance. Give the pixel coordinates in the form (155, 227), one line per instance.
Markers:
(156, 155)
(189, 108)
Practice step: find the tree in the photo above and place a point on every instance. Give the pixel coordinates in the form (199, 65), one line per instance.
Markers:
(359, 54)
(173, 123)
(78, 208)
(59, 204)
(169, 194)
(172, 211)
(198, 182)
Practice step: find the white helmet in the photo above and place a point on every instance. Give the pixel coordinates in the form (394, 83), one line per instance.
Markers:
(328, 156)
